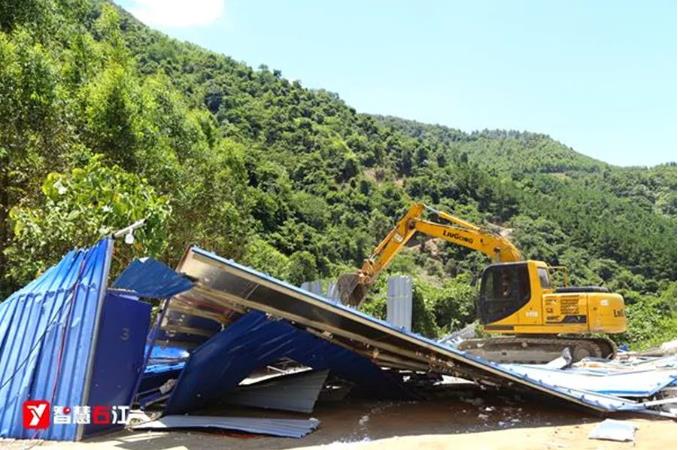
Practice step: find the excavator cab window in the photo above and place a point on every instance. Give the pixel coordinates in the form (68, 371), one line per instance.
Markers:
(544, 280)
(504, 289)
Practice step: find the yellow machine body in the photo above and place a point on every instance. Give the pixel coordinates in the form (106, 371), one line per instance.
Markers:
(536, 307)
(516, 296)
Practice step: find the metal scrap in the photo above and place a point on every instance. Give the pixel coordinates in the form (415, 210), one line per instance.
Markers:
(614, 430)
(293, 428)
(297, 392)
(226, 285)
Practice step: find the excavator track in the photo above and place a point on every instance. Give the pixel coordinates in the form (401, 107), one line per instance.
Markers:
(538, 350)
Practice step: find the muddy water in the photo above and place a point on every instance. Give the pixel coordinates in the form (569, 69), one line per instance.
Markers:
(364, 420)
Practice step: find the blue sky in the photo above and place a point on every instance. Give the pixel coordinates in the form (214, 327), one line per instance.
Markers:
(599, 76)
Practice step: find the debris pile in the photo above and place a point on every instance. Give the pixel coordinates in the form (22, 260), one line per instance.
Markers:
(226, 336)
(649, 381)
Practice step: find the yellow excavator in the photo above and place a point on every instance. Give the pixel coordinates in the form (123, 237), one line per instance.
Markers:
(535, 320)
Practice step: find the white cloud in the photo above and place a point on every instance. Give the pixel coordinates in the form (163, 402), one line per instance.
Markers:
(177, 13)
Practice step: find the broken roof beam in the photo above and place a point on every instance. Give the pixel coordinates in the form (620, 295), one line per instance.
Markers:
(244, 286)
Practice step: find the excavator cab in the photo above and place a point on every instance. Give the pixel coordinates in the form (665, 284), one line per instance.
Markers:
(518, 297)
(536, 320)
(504, 289)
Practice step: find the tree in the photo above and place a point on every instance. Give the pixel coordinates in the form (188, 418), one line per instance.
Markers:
(262, 256)
(112, 116)
(31, 134)
(302, 267)
(79, 207)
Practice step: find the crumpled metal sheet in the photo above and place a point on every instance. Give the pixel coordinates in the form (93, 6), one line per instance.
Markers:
(150, 278)
(296, 392)
(623, 384)
(239, 288)
(47, 336)
(614, 430)
(254, 341)
(293, 428)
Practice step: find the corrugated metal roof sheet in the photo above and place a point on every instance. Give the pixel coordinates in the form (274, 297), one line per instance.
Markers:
(237, 287)
(47, 337)
(287, 392)
(150, 278)
(295, 428)
(254, 341)
(399, 302)
(642, 384)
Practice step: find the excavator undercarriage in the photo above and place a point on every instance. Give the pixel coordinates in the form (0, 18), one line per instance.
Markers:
(529, 349)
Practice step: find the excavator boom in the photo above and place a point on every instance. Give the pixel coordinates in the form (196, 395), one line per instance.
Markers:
(354, 286)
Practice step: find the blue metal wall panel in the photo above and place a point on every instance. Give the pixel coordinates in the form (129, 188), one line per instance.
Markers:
(46, 339)
(254, 341)
(119, 356)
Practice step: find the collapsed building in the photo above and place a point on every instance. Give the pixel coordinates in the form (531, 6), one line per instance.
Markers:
(214, 332)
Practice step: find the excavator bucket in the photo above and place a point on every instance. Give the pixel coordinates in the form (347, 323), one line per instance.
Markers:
(351, 291)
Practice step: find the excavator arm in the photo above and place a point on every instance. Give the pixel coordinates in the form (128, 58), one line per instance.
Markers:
(353, 287)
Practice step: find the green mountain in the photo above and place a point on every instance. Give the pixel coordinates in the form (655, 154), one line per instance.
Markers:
(104, 121)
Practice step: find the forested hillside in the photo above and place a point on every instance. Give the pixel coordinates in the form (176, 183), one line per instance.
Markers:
(104, 121)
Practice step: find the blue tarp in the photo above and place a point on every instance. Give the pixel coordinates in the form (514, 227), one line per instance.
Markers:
(168, 353)
(165, 359)
(47, 334)
(217, 366)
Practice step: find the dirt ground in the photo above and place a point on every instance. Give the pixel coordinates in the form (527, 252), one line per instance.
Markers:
(473, 422)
